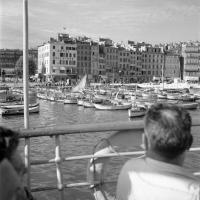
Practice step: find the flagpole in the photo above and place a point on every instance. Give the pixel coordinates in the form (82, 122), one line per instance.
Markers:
(25, 63)
(25, 89)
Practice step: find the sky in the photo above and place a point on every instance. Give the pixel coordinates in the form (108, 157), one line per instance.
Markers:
(153, 21)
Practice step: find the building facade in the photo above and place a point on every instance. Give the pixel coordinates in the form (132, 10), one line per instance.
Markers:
(123, 64)
(135, 71)
(95, 61)
(9, 57)
(57, 60)
(172, 66)
(191, 55)
(111, 63)
(83, 58)
(152, 63)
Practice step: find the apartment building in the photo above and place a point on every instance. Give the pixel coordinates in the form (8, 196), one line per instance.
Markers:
(123, 64)
(135, 67)
(111, 62)
(172, 66)
(94, 61)
(57, 60)
(152, 63)
(84, 57)
(9, 57)
(191, 55)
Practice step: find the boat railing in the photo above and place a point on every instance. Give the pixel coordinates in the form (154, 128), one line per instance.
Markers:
(58, 160)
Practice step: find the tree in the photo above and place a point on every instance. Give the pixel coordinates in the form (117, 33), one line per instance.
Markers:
(19, 66)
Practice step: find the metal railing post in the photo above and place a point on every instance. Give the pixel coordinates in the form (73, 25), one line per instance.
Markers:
(58, 161)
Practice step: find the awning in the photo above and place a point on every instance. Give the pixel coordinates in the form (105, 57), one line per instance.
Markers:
(192, 78)
(62, 68)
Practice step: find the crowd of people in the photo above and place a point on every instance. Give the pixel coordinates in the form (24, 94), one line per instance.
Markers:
(158, 175)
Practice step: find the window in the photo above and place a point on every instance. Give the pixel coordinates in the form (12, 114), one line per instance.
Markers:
(54, 53)
(62, 71)
(61, 47)
(53, 61)
(61, 54)
(54, 47)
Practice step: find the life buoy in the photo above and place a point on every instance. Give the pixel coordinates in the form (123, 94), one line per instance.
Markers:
(96, 171)
(97, 166)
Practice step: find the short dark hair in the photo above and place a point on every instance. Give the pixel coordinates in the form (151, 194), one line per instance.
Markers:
(8, 142)
(168, 129)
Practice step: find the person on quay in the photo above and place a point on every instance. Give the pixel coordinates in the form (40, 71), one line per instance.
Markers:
(12, 168)
(160, 173)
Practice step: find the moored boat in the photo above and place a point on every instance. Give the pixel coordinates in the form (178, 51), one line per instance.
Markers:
(113, 106)
(188, 105)
(70, 101)
(88, 104)
(137, 111)
(18, 109)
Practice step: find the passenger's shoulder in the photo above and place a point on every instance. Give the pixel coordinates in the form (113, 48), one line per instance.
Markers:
(134, 163)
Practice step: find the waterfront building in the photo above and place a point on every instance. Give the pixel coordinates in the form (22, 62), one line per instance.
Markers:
(152, 62)
(123, 64)
(191, 55)
(57, 60)
(135, 68)
(109, 52)
(102, 68)
(84, 57)
(111, 62)
(172, 66)
(95, 61)
(9, 57)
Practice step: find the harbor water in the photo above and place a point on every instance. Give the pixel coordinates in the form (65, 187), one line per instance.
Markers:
(56, 115)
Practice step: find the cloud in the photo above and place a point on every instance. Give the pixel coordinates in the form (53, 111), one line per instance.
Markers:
(120, 19)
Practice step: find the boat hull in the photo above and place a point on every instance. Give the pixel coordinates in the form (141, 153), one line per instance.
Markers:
(70, 101)
(192, 105)
(112, 107)
(18, 109)
(132, 113)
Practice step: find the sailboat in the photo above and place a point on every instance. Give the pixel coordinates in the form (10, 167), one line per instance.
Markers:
(136, 110)
(81, 85)
(76, 91)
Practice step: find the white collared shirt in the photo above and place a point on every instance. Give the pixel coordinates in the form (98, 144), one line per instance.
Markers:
(149, 179)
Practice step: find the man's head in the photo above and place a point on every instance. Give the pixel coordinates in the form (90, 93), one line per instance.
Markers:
(8, 149)
(167, 130)
(8, 143)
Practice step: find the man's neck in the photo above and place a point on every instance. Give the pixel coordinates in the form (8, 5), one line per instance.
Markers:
(175, 161)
